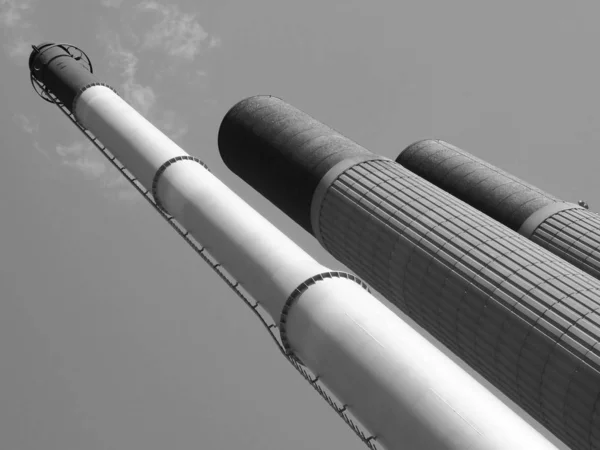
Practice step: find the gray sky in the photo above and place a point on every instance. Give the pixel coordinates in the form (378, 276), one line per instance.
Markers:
(113, 333)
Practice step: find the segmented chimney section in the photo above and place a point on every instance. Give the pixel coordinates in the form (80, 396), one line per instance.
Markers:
(519, 315)
(566, 229)
(397, 384)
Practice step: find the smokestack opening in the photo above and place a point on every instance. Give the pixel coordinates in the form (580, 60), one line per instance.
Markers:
(37, 50)
(282, 152)
(59, 71)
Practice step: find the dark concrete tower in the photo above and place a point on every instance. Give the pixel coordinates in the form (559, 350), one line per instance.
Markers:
(522, 317)
(568, 230)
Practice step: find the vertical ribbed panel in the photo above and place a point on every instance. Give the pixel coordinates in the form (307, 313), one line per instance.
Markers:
(520, 316)
(574, 235)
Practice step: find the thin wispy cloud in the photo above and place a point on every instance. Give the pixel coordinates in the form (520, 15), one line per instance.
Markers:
(17, 29)
(120, 189)
(141, 97)
(112, 3)
(178, 33)
(27, 124)
(18, 50)
(84, 158)
(13, 13)
(172, 125)
(214, 42)
(30, 127)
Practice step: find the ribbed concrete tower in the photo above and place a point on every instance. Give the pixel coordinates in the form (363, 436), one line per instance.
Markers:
(522, 317)
(377, 366)
(566, 229)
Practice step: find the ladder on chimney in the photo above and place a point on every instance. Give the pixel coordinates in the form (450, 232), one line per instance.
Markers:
(342, 411)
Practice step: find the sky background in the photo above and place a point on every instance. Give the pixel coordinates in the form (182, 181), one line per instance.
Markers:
(113, 333)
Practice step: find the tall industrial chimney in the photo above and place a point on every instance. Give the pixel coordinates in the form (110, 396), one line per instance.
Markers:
(402, 389)
(566, 229)
(523, 318)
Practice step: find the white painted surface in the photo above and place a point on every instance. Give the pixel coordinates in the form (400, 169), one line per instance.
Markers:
(397, 383)
(138, 144)
(265, 262)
